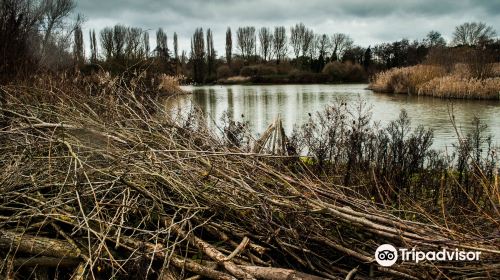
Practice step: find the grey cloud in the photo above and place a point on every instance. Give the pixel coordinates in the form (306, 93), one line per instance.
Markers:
(368, 22)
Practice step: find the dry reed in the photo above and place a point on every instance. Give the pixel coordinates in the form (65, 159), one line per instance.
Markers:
(405, 80)
(434, 81)
(465, 88)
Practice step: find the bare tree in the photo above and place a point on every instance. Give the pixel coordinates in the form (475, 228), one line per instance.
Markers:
(229, 45)
(35, 33)
(246, 41)
(119, 41)
(307, 41)
(54, 13)
(183, 57)
(265, 40)
(56, 30)
(78, 48)
(340, 42)
(473, 33)
(210, 53)
(176, 47)
(434, 39)
(313, 48)
(354, 54)
(133, 48)
(279, 43)
(198, 55)
(161, 44)
(145, 43)
(93, 47)
(323, 43)
(319, 51)
(19, 39)
(297, 35)
(107, 42)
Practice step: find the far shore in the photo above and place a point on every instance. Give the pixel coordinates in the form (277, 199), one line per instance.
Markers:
(272, 80)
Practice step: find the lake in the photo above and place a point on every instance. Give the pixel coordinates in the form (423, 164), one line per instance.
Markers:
(260, 105)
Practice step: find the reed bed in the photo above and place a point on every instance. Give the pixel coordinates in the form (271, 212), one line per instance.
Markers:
(496, 69)
(434, 81)
(107, 186)
(405, 80)
(455, 86)
(171, 84)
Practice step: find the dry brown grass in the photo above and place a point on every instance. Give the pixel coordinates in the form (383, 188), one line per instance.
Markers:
(496, 69)
(405, 80)
(235, 80)
(455, 86)
(170, 84)
(434, 81)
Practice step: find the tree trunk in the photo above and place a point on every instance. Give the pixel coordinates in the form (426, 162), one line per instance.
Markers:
(36, 245)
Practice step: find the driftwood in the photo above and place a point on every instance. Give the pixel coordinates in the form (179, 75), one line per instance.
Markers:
(36, 245)
(151, 198)
(273, 140)
(47, 261)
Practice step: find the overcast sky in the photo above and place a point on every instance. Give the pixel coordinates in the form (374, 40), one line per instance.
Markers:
(367, 22)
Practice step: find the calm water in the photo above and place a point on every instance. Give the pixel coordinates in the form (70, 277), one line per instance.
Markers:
(260, 104)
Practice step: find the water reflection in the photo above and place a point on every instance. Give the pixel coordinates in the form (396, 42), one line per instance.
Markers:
(259, 105)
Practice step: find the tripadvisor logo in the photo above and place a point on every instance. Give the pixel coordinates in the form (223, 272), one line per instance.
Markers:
(387, 255)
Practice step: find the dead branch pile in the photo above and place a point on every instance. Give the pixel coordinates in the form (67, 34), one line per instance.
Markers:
(100, 188)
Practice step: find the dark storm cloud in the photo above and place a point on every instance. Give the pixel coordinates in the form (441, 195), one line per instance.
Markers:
(368, 22)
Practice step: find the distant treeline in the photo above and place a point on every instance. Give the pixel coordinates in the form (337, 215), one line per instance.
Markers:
(279, 54)
(38, 35)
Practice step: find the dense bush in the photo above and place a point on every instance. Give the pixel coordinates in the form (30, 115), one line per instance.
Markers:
(397, 159)
(303, 77)
(284, 68)
(223, 72)
(248, 71)
(236, 65)
(257, 70)
(344, 72)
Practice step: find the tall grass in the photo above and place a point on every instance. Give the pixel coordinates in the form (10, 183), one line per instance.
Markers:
(455, 86)
(436, 81)
(170, 84)
(406, 79)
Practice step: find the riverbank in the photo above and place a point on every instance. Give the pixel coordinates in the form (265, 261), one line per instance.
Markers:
(333, 73)
(462, 82)
(297, 78)
(89, 177)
